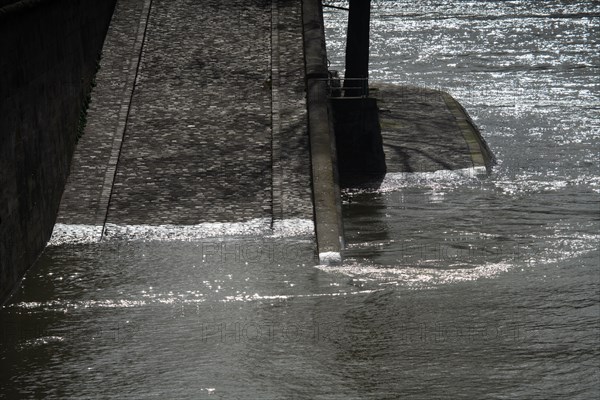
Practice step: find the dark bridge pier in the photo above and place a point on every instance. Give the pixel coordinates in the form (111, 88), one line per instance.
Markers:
(361, 159)
(357, 47)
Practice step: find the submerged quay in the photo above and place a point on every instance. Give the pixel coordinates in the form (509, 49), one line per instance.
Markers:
(199, 128)
(284, 199)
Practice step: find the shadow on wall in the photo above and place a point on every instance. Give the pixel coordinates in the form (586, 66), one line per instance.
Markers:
(48, 55)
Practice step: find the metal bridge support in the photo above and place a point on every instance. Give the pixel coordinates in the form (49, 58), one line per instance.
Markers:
(361, 159)
(357, 44)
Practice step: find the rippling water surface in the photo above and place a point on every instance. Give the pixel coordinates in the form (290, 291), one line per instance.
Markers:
(454, 286)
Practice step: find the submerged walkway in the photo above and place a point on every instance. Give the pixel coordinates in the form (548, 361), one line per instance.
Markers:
(426, 130)
(198, 116)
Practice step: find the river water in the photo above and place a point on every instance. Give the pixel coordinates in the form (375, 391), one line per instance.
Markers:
(454, 285)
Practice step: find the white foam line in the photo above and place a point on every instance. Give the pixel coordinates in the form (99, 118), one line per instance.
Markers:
(401, 179)
(79, 234)
(256, 227)
(412, 275)
(76, 234)
(293, 227)
(63, 306)
(330, 258)
(256, 296)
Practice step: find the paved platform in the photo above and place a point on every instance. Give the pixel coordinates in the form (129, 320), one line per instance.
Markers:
(426, 130)
(199, 115)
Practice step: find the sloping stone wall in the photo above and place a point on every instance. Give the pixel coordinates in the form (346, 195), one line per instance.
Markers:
(48, 55)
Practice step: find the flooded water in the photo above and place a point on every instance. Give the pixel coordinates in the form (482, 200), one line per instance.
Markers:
(454, 285)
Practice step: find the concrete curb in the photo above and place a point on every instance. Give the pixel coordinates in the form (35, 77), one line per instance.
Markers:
(277, 173)
(326, 199)
(133, 65)
(481, 154)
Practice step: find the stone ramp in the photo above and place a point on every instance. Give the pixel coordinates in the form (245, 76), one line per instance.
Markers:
(198, 116)
(198, 138)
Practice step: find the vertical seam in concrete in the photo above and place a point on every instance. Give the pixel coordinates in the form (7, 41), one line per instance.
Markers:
(134, 64)
(276, 173)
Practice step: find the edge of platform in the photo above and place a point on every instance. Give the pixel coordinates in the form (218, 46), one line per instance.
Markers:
(326, 199)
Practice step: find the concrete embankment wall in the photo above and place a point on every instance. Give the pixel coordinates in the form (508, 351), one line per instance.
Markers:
(326, 192)
(48, 56)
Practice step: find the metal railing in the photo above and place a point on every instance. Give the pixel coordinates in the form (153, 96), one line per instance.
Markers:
(349, 88)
